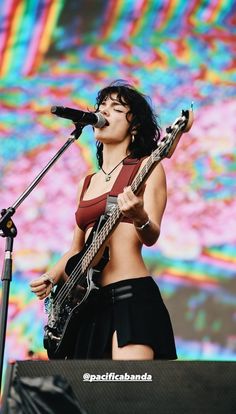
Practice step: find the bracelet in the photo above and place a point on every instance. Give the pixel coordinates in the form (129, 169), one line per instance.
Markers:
(144, 225)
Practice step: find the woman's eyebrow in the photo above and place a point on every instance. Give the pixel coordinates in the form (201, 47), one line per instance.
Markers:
(115, 102)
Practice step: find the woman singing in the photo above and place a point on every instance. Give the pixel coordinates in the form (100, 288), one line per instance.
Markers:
(125, 319)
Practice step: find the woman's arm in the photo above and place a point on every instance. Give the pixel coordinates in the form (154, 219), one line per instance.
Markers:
(146, 209)
(43, 285)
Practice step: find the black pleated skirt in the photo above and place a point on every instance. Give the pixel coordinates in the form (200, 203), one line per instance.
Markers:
(132, 307)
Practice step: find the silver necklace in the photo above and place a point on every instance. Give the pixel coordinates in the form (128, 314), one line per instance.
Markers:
(108, 175)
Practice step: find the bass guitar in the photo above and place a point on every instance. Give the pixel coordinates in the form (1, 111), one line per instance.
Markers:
(64, 303)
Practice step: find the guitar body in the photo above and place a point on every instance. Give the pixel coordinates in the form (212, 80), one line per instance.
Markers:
(63, 309)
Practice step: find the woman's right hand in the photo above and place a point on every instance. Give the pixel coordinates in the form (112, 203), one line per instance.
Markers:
(42, 286)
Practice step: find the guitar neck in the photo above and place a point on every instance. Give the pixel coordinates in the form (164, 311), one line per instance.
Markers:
(115, 216)
(164, 149)
(144, 173)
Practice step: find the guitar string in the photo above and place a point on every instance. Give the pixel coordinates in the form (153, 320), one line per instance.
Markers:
(63, 292)
(77, 270)
(80, 264)
(76, 275)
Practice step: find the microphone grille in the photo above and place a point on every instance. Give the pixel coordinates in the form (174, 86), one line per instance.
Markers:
(101, 121)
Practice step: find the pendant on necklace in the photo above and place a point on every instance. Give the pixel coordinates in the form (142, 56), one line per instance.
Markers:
(108, 177)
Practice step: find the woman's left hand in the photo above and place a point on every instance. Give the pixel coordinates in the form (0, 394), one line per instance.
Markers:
(131, 205)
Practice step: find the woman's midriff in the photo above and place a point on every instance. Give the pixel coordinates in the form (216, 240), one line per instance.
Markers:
(125, 256)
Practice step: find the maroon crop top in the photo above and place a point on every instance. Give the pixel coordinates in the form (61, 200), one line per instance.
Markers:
(90, 210)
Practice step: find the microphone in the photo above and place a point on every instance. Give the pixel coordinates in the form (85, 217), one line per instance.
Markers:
(85, 118)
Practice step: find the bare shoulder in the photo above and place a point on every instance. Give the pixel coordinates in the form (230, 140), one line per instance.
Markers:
(158, 177)
(155, 194)
(80, 187)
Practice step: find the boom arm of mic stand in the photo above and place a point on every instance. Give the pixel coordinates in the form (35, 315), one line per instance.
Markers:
(9, 230)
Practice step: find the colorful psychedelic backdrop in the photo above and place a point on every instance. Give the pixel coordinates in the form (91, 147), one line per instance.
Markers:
(60, 52)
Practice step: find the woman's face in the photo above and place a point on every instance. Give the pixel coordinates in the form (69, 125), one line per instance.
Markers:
(115, 113)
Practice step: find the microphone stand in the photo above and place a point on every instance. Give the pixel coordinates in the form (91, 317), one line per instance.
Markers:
(9, 230)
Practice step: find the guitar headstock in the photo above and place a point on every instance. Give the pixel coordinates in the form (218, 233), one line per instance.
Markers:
(174, 132)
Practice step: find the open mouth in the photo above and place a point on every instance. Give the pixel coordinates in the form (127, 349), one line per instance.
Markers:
(106, 124)
(102, 127)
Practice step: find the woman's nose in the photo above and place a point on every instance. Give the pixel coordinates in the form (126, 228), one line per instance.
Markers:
(104, 111)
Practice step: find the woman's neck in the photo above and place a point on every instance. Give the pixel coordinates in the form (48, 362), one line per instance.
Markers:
(111, 156)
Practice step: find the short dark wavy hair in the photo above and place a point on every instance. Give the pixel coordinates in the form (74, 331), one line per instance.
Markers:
(144, 120)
